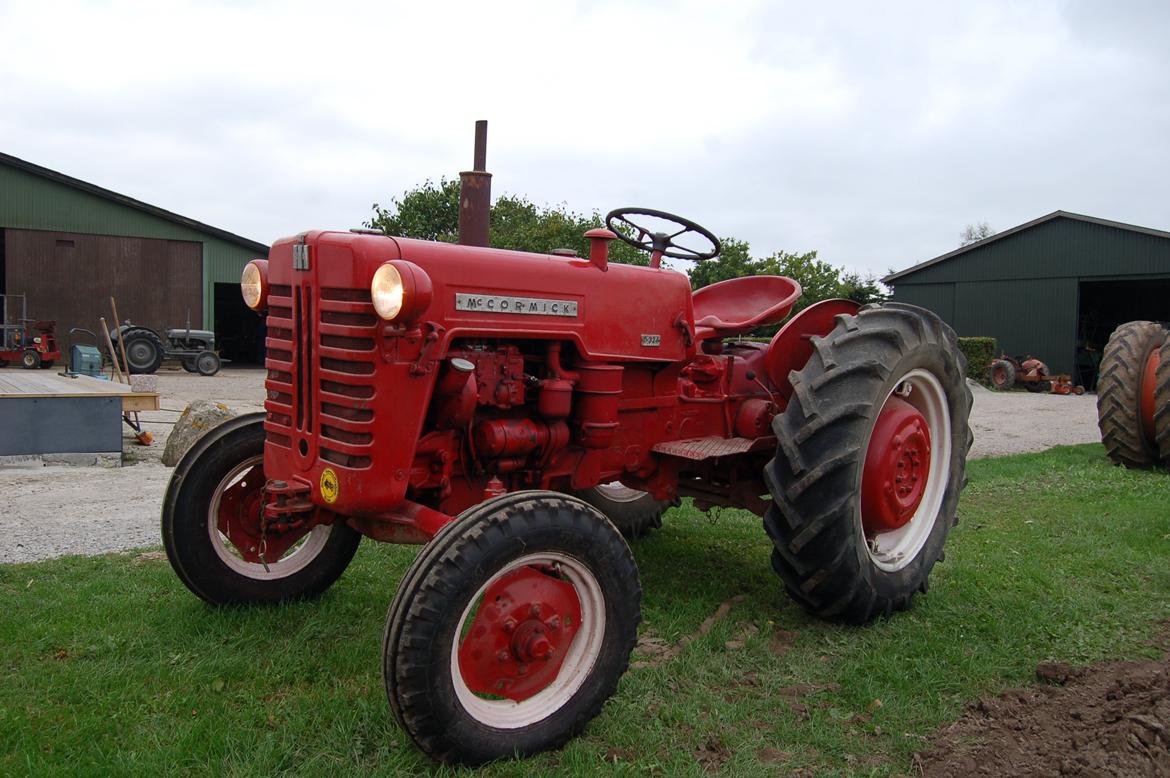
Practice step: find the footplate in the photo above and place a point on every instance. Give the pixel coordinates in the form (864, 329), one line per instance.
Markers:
(698, 449)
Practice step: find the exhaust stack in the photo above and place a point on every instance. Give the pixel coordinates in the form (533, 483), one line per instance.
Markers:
(475, 194)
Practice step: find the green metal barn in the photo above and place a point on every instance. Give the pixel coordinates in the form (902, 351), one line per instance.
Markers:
(1053, 288)
(68, 246)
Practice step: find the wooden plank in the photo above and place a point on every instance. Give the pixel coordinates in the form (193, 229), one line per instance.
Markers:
(52, 385)
(140, 402)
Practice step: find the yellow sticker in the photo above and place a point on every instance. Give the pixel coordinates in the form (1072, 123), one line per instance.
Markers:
(329, 486)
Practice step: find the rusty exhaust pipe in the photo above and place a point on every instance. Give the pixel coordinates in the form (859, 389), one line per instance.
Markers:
(475, 194)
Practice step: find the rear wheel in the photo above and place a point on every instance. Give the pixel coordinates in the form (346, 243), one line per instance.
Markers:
(189, 365)
(47, 364)
(1002, 375)
(511, 629)
(633, 512)
(871, 460)
(1162, 402)
(1129, 371)
(30, 360)
(144, 351)
(211, 526)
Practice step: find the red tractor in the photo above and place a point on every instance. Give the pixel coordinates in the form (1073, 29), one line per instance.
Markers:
(29, 347)
(520, 413)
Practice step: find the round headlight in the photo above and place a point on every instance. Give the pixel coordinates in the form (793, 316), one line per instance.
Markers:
(254, 284)
(387, 291)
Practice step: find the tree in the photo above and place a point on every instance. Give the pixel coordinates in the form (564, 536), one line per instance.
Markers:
(973, 233)
(431, 212)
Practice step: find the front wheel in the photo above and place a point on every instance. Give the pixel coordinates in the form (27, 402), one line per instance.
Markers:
(211, 526)
(30, 360)
(207, 363)
(871, 460)
(511, 628)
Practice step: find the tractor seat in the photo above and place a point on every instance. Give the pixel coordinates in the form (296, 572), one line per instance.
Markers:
(739, 305)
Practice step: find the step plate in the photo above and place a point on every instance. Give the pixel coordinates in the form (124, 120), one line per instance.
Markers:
(707, 448)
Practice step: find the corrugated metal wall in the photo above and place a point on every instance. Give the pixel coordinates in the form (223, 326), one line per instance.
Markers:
(30, 202)
(1023, 289)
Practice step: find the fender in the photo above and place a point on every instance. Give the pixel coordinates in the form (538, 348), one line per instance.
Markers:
(791, 347)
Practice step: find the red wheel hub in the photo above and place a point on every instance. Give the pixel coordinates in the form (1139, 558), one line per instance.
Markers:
(897, 465)
(517, 642)
(1146, 398)
(241, 507)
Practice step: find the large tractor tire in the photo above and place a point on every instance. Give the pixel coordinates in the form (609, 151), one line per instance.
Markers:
(1126, 396)
(870, 462)
(211, 526)
(634, 513)
(144, 350)
(511, 629)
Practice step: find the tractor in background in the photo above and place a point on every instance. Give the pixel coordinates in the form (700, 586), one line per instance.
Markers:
(28, 346)
(145, 349)
(1133, 395)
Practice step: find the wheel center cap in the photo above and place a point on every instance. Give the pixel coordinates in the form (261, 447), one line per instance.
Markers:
(897, 466)
(517, 642)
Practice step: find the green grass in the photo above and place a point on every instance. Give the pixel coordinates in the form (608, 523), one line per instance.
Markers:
(109, 666)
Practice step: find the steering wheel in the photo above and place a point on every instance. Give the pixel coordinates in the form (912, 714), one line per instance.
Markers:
(661, 244)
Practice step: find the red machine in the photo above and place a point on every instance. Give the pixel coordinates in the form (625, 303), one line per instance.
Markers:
(515, 411)
(30, 347)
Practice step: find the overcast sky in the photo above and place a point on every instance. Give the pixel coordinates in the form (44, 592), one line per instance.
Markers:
(870, 131)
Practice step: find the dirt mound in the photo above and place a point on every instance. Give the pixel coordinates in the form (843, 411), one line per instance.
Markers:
(1107, 719)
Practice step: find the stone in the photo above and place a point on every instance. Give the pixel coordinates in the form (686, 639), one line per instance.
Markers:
(197, 420)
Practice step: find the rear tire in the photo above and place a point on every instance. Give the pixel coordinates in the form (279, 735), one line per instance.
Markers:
(144, 351)
(830, 562)
(47, 364)
(1118, 392)
(1162, 403)
(634, 513)
(1002, 375)
(206, 561)
(448, 608)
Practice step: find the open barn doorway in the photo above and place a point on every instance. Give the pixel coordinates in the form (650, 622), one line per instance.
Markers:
(239, 331)
(1103, 305)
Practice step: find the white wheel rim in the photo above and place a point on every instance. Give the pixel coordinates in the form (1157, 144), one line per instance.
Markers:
(294, 559)
(579, 659)
(619, 492)
(891, 551)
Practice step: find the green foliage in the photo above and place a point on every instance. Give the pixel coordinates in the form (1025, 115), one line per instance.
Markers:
(979, 351)
(431, 212)
(113, 668)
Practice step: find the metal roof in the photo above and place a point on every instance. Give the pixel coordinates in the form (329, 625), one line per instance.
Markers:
(130, 202)
(1054, 215)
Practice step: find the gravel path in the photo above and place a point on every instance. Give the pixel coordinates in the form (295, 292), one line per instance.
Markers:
(53, 511)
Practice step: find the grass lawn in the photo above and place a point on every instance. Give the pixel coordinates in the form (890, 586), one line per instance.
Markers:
(111, 667)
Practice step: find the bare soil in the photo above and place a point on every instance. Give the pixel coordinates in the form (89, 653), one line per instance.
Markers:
(1108, 719)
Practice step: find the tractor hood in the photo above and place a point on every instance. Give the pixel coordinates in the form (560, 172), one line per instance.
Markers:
(622, 313)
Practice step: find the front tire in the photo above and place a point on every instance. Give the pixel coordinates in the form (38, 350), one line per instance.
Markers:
(215, 495)
(511, 629)
(30, 360)
(870, 462)
(207, 363)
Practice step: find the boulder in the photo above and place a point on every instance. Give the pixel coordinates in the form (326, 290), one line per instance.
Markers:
(198, 417)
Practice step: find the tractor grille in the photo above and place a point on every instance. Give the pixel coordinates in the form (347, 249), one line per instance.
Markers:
(331, 404)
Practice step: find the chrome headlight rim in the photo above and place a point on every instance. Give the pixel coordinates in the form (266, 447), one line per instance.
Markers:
(254, 284)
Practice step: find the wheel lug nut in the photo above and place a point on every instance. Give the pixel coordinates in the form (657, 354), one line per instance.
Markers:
(522, 669)
(503, 656)
(510, 625)
(534, 611)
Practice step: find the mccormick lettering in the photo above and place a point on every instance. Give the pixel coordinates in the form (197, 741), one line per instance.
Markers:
(537, 306)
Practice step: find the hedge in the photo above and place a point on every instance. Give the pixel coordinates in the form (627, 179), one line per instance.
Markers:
(979, 353)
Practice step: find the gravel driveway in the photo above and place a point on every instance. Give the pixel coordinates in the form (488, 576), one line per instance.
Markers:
(53, 511)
